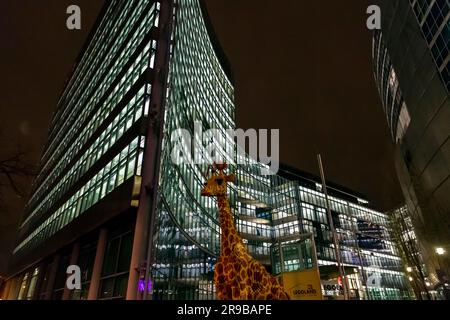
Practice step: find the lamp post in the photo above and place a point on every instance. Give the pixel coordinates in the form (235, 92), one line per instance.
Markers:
(337, 249)
(440, 252)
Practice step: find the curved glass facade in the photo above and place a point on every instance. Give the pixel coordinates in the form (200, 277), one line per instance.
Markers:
(391, 95)
(268, 209)
(433, 18)
(187, 232)
(96, 154)
(94, 146)
(411, 54)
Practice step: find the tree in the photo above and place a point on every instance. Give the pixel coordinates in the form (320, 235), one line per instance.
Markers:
(15, 173)
(13, 169)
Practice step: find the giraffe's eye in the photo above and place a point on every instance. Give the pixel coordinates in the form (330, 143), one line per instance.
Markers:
(219, 181)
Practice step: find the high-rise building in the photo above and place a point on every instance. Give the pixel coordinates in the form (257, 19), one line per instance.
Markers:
(370, 257)
(111, 200)
(404, 236)
(411, 55)
(90, 189)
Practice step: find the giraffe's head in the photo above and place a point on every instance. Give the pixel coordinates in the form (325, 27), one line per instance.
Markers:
(216, 184)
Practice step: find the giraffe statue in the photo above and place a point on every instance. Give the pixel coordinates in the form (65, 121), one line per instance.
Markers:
(237, 275)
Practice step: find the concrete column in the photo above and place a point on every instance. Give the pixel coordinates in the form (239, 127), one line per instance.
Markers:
(98, 265)
(139, 246)
(6, 289)
(40, 280)
(13, 289)
(73, 261)
(52, 277)
(142, 246)
(300, 257)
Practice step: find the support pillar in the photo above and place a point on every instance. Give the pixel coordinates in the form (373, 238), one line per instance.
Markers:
(142, 243)
(39, 282)
(98, 265)
(14, 289)
(52, 277)
(6, 289)
(73, 261)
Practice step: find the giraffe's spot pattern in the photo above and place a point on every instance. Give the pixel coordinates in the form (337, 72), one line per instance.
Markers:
(237, 275)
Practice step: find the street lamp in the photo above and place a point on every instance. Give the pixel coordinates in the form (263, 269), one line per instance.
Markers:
(440, 251)
(409, 269)
(411, 279)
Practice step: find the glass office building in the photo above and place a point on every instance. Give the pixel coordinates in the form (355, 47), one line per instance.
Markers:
(110, 199)
(363, 234)
(404, 235)
(394, 105)
(411, 68)
(86, 195)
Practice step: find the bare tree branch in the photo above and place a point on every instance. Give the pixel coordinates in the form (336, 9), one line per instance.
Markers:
(13, 169)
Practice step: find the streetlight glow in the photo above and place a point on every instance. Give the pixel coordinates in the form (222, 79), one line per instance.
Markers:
(440, 251)
(409, 269)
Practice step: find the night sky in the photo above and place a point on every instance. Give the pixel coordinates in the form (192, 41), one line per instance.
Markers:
(303, 67)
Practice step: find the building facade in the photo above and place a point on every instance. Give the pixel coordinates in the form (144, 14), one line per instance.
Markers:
(111, 200)
(411, 54)
(404, 236)
(88, 194)
(370, 257)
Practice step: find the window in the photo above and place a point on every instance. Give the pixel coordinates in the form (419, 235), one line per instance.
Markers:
(85, 261)
(116, 267)
(61, 277)
(403, 122)
(106, 178)
(23, 287)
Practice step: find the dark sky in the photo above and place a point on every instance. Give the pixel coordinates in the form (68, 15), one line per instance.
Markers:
(303, 67)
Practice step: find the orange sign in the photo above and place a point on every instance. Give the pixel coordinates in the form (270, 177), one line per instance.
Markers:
(303, 285)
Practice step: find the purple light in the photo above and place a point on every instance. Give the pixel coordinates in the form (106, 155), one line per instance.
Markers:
(141, 285)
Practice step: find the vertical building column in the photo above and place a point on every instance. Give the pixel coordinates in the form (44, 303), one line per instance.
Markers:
(52, 277)
(13, 289)
(301, 227)
(6, 288)
(142, 243)
(98, 265)
(39, 282)
(73, 261)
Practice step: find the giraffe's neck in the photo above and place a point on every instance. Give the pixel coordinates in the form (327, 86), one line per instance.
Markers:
(226, 222)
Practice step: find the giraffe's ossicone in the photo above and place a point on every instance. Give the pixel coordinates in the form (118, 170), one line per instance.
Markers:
(237, 275)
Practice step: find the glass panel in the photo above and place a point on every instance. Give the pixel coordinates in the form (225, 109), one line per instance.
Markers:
(109, 264)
